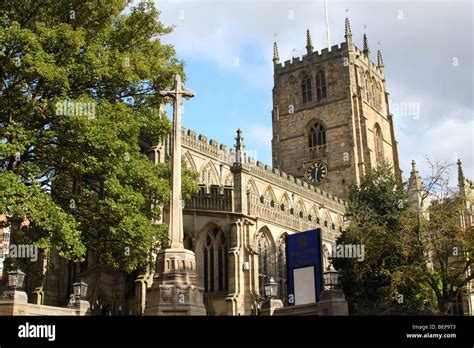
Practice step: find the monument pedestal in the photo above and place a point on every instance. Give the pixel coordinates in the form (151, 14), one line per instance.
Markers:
(16, 296)
(82, 306)
(270, 305)
(334, 302)
(175, 290)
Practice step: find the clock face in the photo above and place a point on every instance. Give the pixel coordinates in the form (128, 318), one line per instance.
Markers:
(316, 172)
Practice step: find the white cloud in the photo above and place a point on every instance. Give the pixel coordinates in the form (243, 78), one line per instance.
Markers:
(419, 40)
(444, 141)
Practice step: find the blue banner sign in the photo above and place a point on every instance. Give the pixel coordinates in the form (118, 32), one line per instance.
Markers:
(304, 262)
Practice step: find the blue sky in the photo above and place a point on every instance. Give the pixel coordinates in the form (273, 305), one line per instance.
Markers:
(224, 103)
(427, 48)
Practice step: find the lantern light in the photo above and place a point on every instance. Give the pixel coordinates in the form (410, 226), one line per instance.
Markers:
(15, 279)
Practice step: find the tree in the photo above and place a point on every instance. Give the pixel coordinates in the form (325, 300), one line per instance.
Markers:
(417, 256)
(441, 244)
(79, 100)
(377, 212)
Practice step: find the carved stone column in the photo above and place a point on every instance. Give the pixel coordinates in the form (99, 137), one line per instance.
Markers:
(234, 269)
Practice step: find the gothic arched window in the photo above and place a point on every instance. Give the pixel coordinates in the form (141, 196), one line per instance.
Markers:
(317, 135)
(378, 144)
(209, 175)
(306, 89)
(266, 261)
(320, 85)
(215, 261)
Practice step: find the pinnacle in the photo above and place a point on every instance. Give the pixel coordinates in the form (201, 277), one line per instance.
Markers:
(309, 42)
(379, 59)
(348, 27)
(366, 44)
(276, 58)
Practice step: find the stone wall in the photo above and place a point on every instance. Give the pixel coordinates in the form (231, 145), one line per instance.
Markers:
(9, 308)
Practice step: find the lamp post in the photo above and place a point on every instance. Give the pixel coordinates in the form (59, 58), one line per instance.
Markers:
(16, 279)
(271, 301)
(331, 278)
(79, 290)
(271, 288)
(78, 301)
(332, 300)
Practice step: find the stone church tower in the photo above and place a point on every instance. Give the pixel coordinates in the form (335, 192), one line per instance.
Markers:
(332, 106)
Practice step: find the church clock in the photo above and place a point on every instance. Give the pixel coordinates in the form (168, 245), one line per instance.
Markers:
(316, 172)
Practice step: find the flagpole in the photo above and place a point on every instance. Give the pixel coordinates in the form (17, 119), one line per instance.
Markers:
(327, 25)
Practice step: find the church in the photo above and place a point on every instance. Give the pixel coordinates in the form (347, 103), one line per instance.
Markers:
(331, 123)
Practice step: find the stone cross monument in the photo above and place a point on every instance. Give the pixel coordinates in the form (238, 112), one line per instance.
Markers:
(175, 289)
(176, 214)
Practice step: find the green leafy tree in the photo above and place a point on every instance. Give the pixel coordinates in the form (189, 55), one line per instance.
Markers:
(79, 107)
(417, 257)
(377, 209)
(441, 244)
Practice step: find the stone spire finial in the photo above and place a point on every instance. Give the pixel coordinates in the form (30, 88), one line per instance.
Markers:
(379, 59)
(415, 178)
(239, 147)
(348, 35)
(460, 174)
(366, 45)
(348, 28)
(276, 58)
(415, 175)
(416, 189)
(309, 43)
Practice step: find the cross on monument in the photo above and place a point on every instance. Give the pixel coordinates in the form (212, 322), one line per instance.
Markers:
(175, 226)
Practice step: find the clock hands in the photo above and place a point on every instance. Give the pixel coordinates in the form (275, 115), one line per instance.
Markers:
(313, 174)
(316, 172)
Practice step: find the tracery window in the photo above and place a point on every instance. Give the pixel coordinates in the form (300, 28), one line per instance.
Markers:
(306, 90)
(317, 135)
(215, 261)
(266, 261)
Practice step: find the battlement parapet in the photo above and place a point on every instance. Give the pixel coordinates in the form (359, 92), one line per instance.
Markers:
(221, 152)
(313, 57)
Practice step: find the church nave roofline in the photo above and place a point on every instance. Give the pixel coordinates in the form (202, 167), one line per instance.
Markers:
(223, 153)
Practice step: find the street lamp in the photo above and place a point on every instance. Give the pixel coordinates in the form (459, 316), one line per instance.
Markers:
(331, 278)
(271, 288)
(80, 290)
(15, 279)
(271, 302)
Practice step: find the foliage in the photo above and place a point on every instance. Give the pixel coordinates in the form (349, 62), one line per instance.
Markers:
(377, 209)
(416, 258)
(443, 247)
(79, 87)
